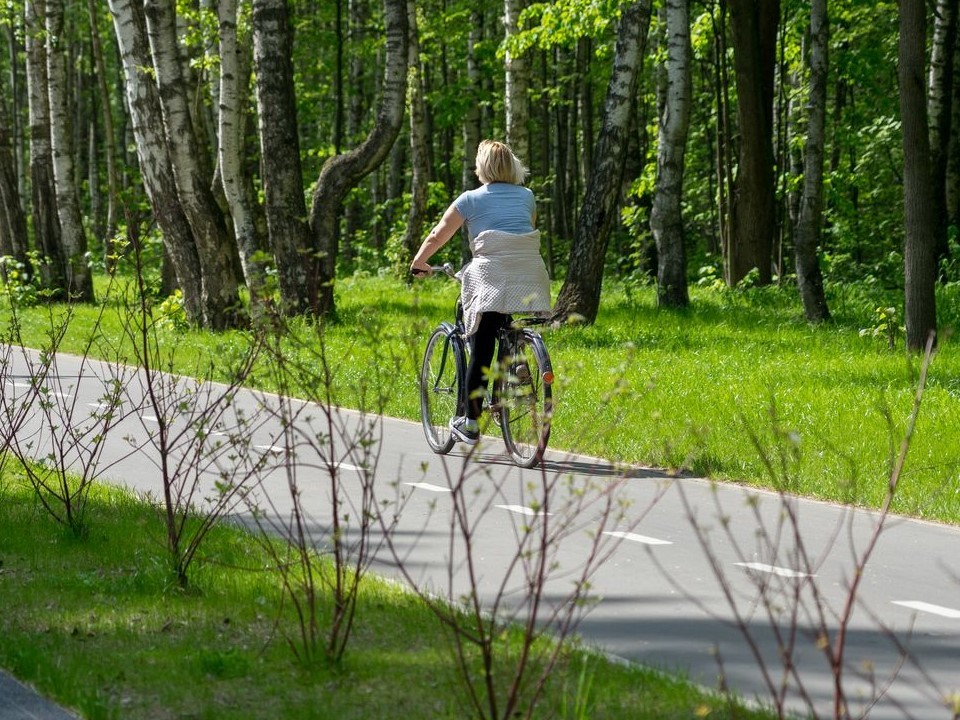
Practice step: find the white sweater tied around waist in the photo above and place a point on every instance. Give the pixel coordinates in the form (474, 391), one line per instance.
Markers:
(506, 275)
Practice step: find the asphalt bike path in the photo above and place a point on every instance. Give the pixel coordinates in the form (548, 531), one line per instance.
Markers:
(694, 576)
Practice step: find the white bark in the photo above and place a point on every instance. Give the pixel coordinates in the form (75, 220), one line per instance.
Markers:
(516, 98)
(231, 123)
(666, 220)
(79, 281)
(418, 139)
(143, 103)
(46, 225)
(214, 246)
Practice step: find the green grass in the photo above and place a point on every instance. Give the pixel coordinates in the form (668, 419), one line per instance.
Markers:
(715, 390)
(96, 624)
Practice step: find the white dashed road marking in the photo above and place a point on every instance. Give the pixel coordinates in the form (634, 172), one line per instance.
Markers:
(634, 537)
(28, 386)
(929, 608)
(773, 570)
(523, 510)
(429, 487)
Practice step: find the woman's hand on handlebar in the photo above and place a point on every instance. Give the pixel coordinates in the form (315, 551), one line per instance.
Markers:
(420, 268)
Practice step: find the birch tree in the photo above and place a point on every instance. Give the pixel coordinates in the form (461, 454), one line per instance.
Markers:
(420, 168)
(516, 97)
(676, 97)
(940, 93)
(46, 224)
(810, 216)
(580, 294)
(232, 83)
(78, 282)
(109, 146)
(216, 249)
(143, 102)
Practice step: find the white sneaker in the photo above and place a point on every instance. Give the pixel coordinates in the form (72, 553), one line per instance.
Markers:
(465, 430)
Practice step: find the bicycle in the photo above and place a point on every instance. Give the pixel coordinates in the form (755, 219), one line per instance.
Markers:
(521, 401)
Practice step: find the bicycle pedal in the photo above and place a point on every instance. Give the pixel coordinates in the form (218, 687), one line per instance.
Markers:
(522, 372)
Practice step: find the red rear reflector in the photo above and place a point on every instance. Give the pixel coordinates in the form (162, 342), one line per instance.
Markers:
(548, 377)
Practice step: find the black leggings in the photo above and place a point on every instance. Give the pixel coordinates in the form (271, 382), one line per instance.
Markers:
(482, 345)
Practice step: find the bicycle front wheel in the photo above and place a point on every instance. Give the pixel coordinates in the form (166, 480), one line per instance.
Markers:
(526, 399)
(444, 366)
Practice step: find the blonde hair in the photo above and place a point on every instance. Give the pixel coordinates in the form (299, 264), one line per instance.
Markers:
(497, 163)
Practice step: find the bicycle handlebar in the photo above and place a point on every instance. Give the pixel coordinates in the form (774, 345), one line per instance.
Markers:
(446, 269)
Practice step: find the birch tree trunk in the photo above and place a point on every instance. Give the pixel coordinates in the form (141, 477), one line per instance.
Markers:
(46, 224)
(471, 127)
(918, 202)
(231, 123)
(516, 98)
(286, 207)
(666, 219)
(940, 98)
(810, 220)
(78, 281)
(216, 249)
(110, 154)
(342, 172)
(143, 101)
(420, 170)
(580, 294)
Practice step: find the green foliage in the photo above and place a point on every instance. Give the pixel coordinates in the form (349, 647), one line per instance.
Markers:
(546, 25)
(171, 314)
(886, 326)
(22, 282)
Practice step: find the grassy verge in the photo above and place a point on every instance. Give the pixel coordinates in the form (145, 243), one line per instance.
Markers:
(736, 388)
(95, 624)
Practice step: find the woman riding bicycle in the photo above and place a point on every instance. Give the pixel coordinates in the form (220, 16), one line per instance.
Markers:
(506, 275)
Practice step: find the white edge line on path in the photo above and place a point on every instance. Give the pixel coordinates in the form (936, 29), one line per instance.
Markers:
(634, 537)
(773, 570)
(929, 608)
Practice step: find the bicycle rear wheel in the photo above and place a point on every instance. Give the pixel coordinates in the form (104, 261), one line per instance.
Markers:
(444, 366)
(526, 399)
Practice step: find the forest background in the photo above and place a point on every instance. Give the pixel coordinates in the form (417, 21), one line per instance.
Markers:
(255, 153)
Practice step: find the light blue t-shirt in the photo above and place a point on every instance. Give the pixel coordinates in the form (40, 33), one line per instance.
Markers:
(497, 206)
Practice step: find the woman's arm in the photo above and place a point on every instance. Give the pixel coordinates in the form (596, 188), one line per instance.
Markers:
(438, 237)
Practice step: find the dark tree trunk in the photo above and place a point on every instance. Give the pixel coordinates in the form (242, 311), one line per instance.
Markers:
(286, 207)
(754, 218)
(13, 222)
(920, 221)
(580, 294)
(810, 220)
